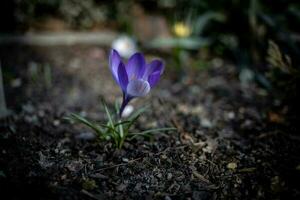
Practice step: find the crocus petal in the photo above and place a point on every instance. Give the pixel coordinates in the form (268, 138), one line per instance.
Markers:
(153, 67)
(114, 61)
(136, 66)
(122, 77)
(154, 78)
(138, 88)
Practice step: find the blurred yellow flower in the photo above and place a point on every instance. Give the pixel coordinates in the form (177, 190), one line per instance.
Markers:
(181, 29)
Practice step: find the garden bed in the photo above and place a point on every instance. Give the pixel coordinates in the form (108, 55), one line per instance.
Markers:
(233, 141)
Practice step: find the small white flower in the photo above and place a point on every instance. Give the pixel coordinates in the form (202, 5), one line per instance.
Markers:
(125, 45)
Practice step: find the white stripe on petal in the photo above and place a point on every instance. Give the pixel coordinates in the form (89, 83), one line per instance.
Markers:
(138, 88)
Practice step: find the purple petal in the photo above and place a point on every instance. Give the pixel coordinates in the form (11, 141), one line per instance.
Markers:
(136, 66)
(138, 88)
(122, 76)
(153, 67)
(114, 61)
(154, 78)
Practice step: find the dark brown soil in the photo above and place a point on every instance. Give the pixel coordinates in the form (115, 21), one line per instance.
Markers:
(233, 141)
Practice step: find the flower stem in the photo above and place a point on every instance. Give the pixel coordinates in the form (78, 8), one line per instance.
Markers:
(124, 104)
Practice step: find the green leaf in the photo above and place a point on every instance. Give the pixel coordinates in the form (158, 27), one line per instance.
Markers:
(122, 134)
(107, 126)
(122, 122)
(109, 116)
(79, 119)
(117, 106)
(131, 122)
(138, 112)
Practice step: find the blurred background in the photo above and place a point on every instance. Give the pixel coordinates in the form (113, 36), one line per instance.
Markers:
(239, 30)
(260, 38)
(230, 87)
(191, 33)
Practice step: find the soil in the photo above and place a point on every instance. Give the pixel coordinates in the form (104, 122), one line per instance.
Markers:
(233, 141)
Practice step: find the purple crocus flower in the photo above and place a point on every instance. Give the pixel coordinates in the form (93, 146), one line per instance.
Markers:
(136, 78)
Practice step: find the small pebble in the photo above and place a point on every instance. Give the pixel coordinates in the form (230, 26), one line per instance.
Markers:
(86, 136)
(167, 198)
(169, 176)
(232, 166)
(205, 123)
(56, 122)
(41, 113)
(231, 115)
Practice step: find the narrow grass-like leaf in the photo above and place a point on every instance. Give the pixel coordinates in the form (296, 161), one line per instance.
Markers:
(80, 119)
(122, 136)
(107, 126)
(121, 131)
(117, 107)
(138, 112)
(132, 121)
(109, 116)
(122, 123)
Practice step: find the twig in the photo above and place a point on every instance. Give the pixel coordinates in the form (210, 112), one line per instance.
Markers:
(199, 176)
